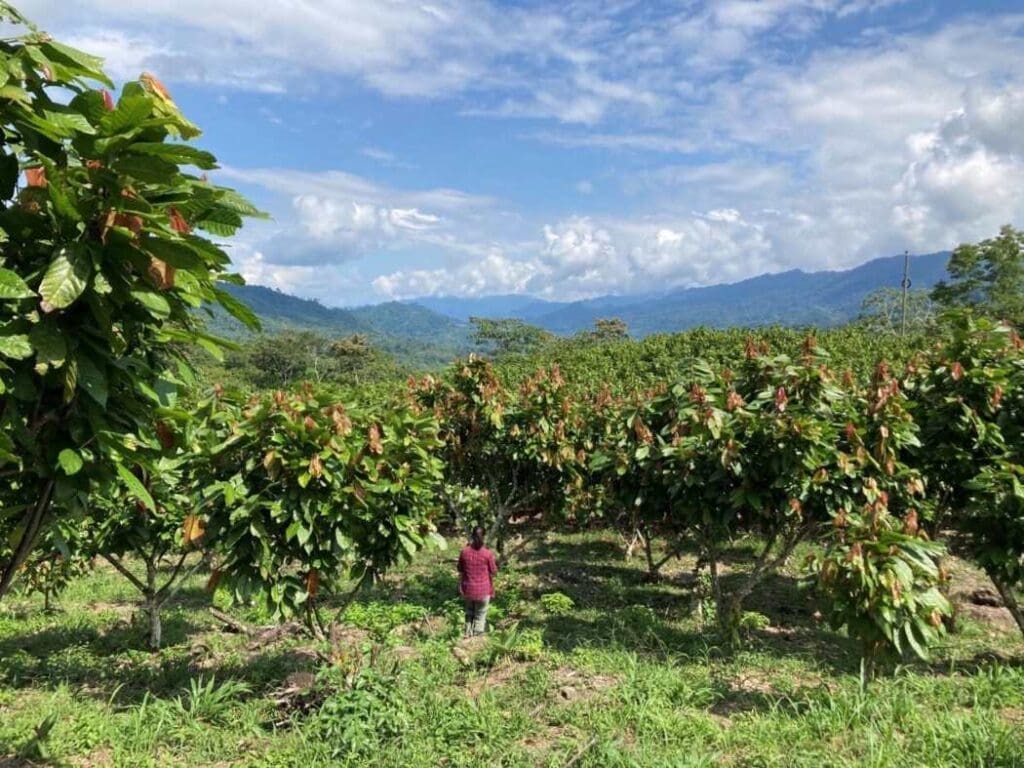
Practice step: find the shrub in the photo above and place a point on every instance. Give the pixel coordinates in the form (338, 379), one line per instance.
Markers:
(557, 604)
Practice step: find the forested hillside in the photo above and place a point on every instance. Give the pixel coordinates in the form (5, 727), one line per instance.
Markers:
(795, 298)
(413, 334)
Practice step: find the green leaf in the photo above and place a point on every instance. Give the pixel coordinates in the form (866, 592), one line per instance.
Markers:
(237, 309)
(50, 345)
(92, 379)
(220, 221)
(157, 305)
(178, 254)
(16, 347)
(13, 287)
(180, 154)
(67, 124)
(70, 461)
(131, 112)
(14, 93)
(93, 65)
(152, 170)
(135, 487)
(64, 281)
(908, 632)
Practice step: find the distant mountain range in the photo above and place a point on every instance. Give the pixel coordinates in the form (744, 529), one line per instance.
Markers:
(794, 298)
(434, 329)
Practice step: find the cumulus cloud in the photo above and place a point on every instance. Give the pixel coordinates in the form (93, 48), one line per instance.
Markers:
(582, 257)
(494, 273)
(786, 149)
(967, 176)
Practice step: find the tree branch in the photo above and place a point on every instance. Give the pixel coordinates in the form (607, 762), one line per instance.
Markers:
(165, 592)
(126, 573)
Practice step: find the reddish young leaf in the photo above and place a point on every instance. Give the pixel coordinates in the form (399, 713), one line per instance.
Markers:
(35, 177)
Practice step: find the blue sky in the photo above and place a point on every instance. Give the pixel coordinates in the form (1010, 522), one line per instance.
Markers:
(578, 148)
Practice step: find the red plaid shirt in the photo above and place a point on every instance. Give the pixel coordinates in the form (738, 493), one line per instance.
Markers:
(476, 570)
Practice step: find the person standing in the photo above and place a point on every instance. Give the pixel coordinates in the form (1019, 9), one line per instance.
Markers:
(477, 569)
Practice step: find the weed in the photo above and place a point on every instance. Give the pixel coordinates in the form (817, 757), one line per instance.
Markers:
(208, 702)
(515, 644)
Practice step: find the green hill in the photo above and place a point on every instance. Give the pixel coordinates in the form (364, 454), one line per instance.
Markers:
(415, 335)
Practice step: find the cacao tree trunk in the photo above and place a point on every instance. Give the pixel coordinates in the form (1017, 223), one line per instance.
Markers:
(652, 567)
(30, 533)
(500, 518)
(155, 626)
(152, 607)
(1009, 599)
(638, 538)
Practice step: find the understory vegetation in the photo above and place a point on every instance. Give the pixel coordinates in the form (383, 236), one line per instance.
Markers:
(586, 659)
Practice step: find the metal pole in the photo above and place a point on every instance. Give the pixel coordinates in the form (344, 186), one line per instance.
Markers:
(906, 287)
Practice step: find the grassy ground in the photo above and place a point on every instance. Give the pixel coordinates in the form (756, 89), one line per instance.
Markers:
(622, 677)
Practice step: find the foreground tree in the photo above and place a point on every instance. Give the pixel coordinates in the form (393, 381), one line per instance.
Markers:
(101, 274)
(971, 406)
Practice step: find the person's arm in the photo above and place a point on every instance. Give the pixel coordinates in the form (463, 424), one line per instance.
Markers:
(492, 570)
(461, 568)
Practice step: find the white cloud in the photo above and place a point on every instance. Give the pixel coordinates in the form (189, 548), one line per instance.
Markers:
(578, 62)
(646, 142)
(582, 257)
(384, 157)
(795, 151)
(493, 274)
(967, 176)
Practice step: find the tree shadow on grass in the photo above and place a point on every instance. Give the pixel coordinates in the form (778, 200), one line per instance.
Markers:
(110, 661)
(631, 632)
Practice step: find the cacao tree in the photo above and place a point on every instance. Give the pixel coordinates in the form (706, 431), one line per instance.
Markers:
(313, 494)
(518, 446)
(971, 408)
(102, 273)
(159, 518)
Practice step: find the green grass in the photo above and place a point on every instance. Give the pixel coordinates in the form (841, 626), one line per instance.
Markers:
(609, 669)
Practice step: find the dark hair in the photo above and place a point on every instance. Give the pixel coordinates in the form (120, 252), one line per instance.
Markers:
(477, 537)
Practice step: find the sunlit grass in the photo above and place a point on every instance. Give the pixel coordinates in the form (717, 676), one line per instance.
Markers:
(609, 669)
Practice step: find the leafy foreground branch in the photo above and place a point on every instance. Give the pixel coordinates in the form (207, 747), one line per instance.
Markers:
(101, 273)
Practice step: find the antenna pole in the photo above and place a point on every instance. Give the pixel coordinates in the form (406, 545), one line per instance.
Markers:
(906, 287)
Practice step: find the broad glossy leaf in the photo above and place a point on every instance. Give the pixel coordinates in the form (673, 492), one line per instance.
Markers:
(15, 347)
(181, 154)
(13, 287)
(131, 112)
(92, 379)
(237, 309)
(70, 461)
(157, 305)
(65, 280)
(135, 486)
